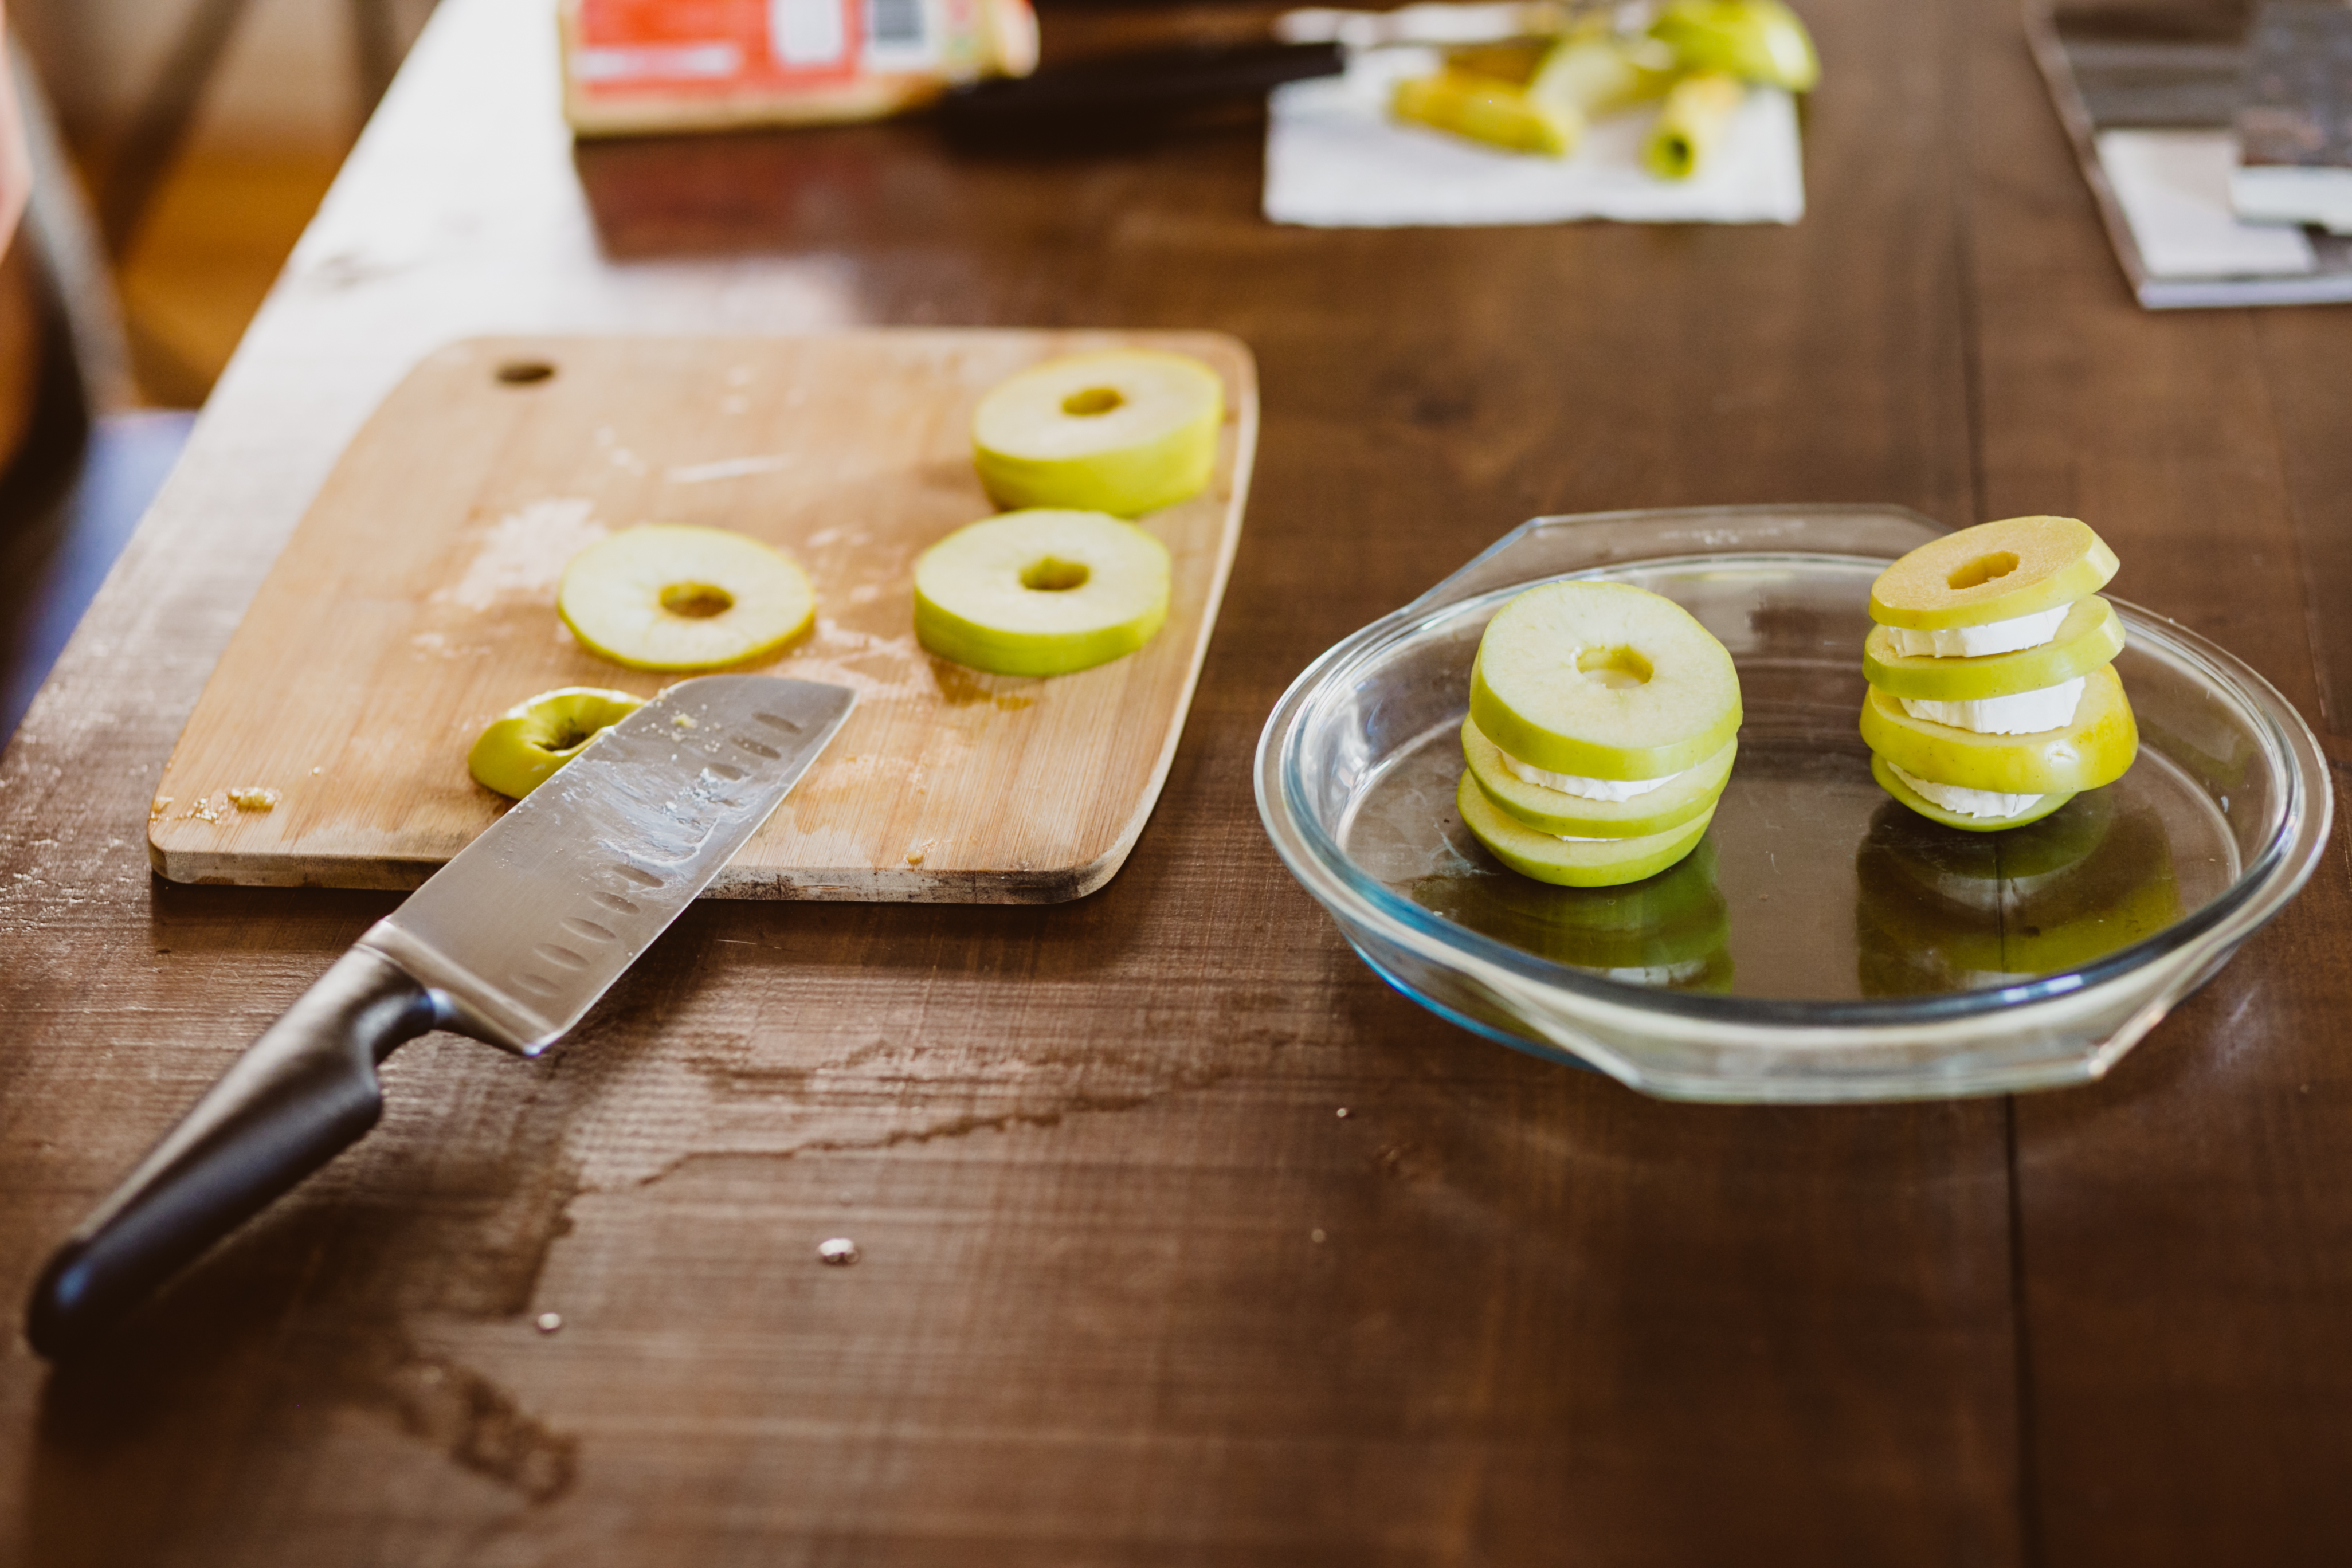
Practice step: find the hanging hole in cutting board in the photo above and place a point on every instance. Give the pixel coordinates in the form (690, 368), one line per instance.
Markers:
(525, 371)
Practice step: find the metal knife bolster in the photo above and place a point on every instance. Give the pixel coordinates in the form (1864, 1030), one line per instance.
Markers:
(512, 942)
(529, 925)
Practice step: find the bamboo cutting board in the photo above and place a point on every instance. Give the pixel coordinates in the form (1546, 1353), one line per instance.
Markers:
(416, 602)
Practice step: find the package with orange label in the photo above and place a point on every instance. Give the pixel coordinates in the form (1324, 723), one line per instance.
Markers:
(633, 65)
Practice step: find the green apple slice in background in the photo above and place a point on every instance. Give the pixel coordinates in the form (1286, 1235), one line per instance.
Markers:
(668, 595)
(1694, 122)
(1040, 592)
(1966, 824)
(1761, 40)
(2096, 750)
(522, 748)
(2091, 635)
(1556, 811)
(1125, 431)
(1596, 72)
(1993, 572)
(1483, 109)
(1604, 681)
(1592, 863)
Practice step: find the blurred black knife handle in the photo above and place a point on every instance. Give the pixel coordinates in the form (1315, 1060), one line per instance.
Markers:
(1101, 101)
(304, 1091)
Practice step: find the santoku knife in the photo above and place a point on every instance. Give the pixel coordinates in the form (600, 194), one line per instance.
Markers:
(512, 941)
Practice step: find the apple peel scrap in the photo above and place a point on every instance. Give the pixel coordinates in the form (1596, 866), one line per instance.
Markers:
(522, 748)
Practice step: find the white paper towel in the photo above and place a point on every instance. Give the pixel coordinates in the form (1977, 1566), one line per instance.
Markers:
(2174, 188)
(1335, 159)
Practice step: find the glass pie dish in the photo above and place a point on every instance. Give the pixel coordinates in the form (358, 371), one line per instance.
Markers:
(1823, 943)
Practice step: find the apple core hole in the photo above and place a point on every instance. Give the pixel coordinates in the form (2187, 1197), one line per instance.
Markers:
(696, 601)
(1094, 400)
(1051, 576)
(525, 371)
(1983, 569)
(1618, 669)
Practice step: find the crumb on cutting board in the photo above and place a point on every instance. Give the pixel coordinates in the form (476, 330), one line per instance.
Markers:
(253, 797)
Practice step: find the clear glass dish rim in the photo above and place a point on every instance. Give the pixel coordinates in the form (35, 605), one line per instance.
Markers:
(2269, 880)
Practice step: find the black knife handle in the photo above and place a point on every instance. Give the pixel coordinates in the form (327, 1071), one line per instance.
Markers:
(300, 1094)
(1089, 103)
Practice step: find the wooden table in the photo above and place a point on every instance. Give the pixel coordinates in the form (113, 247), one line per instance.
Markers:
(1132, 1290)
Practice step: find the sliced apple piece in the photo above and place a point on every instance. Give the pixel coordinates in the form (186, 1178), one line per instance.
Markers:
(2096, 750)
(1993, 572)
(1597, 73)
(2043, 804)
(1695, 118)
(2091, 635)
(1761, 40)
(524, 746)
(1585, 863)
(1556, 811)
(1603, 680)
(669, 595)
(1125, 431)
(1499, 113)
(1040, 592)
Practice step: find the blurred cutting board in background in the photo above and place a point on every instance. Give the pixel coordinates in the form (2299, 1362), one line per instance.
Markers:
(416, 602)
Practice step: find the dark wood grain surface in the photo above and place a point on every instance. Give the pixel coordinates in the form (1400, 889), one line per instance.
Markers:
(1132, 1292)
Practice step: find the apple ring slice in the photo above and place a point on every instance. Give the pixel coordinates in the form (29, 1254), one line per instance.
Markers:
(1578, 863)
(1040, 592)
(2091, 635)
(1993, 572)
(524, 746)
(668, 595)
(1603, 680)
(2096, 748)
(1556, 811)
(1125, 431)
(2041, 808)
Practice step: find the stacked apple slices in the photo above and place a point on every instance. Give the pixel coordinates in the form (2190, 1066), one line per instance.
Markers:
(1993, 700)
(1078, 447)
(1603, 721)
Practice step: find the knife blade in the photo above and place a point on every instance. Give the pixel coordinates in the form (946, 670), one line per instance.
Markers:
(512, 942)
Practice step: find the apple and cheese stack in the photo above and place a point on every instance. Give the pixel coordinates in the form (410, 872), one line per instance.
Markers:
(1993, 700)
(1603, 721)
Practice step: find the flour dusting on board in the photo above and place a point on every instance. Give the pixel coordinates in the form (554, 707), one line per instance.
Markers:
(879, 668)
(523, 554)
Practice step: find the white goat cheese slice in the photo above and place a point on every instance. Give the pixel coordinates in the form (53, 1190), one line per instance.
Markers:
(1975, 641)
(2019, 714)
(1584, 788)
(1966, 802)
